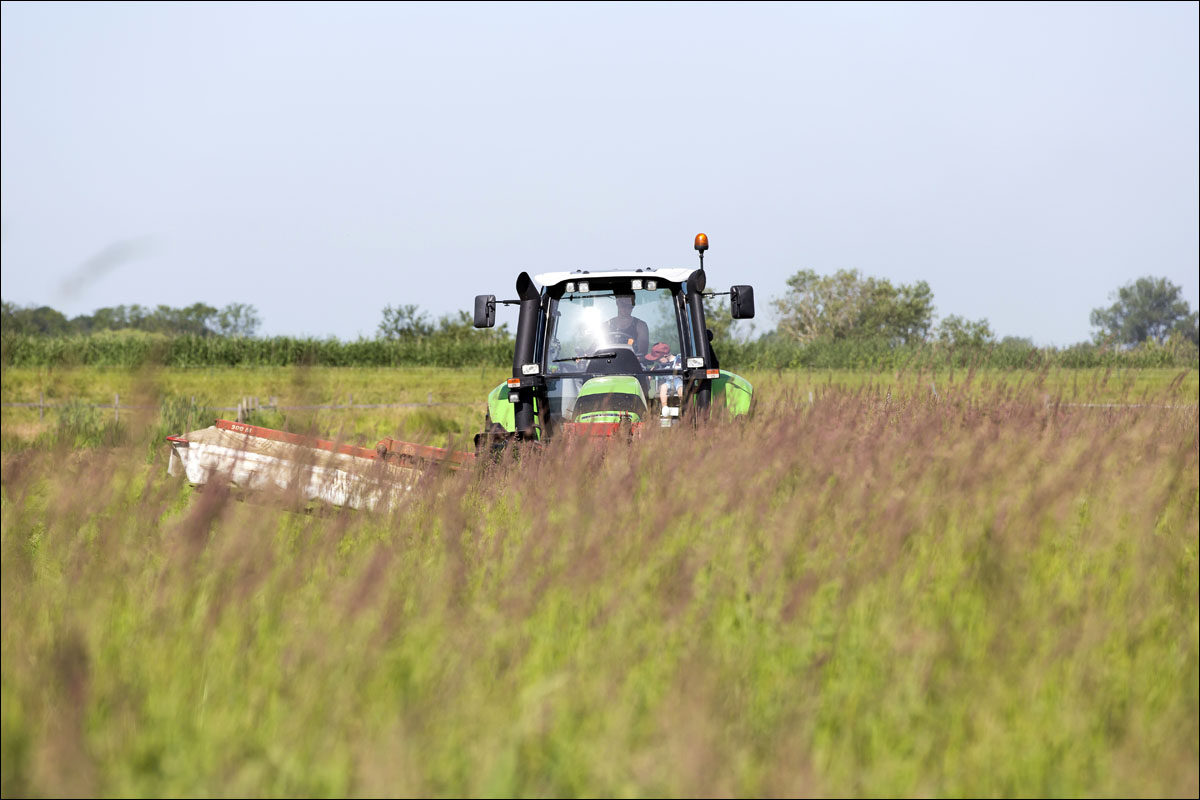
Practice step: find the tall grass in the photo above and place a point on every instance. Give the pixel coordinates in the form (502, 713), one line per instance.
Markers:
(877, 354)
(876, 592)
(492, 348)
(135, 349)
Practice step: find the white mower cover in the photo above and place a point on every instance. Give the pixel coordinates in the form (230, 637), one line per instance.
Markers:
(262, 460)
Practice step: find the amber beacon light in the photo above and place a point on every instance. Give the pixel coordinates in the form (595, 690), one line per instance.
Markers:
(701, 246)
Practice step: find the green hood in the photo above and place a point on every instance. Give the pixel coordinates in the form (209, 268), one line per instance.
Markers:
(611, 398)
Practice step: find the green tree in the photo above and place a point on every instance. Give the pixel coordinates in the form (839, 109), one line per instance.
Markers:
(457, 323)
(42, 320)
(200, 319)
(193, 319)
(404, 322)
(8, 316)
(955, 331)
(102, 319)
(197, 318)
(722, 324)
(237, 319)
(1148, 309)
(109, 319)
(847, 305)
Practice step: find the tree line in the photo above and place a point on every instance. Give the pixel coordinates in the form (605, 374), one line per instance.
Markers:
(198, 319)
(849, 306)
(841, 320)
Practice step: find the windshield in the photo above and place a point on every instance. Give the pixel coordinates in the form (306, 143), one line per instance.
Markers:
(597, 335)
(641, 322)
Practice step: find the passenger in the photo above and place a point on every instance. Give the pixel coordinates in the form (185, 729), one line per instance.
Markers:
(633, 328)
(660, 357)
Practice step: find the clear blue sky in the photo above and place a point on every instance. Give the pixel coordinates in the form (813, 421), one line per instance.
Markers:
(322, 161)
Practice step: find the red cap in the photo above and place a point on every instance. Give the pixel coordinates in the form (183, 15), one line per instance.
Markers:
(658, 351)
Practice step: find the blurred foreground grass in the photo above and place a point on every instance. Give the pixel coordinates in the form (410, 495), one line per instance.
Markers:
(880, 592)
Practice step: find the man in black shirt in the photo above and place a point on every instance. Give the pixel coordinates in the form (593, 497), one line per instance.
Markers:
(634, 329)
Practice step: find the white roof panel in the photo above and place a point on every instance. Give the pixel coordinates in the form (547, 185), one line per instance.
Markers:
(672, 274)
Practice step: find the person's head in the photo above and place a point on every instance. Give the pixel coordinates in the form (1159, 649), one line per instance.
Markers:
(624, 305)
(660, 355)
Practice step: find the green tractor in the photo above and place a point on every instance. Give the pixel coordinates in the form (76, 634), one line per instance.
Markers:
(605, 351)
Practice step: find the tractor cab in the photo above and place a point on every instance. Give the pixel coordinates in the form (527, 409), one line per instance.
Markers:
(600, 351)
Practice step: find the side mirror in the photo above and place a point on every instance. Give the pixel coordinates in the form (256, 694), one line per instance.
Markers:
(741, 302)
(485, 310)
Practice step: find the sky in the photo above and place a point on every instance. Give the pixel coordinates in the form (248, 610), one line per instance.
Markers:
(322, 161)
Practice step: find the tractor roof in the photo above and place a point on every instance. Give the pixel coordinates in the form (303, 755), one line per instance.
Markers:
(672, 274)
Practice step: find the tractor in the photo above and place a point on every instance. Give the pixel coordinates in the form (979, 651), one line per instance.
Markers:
(597, 354)
(603, 352)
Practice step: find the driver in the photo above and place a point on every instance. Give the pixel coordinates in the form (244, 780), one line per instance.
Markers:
(630, 326)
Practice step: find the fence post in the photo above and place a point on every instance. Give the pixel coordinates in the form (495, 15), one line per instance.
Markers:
(117, 407)
(41, 406)
(428, 398)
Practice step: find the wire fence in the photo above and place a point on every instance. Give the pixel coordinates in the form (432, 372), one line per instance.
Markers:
(246, 406)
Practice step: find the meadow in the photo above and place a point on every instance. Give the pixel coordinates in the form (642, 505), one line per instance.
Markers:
(454, 399)
(967, 583)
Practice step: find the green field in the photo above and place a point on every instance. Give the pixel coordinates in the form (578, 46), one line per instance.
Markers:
(947, 584)
(458, 394)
